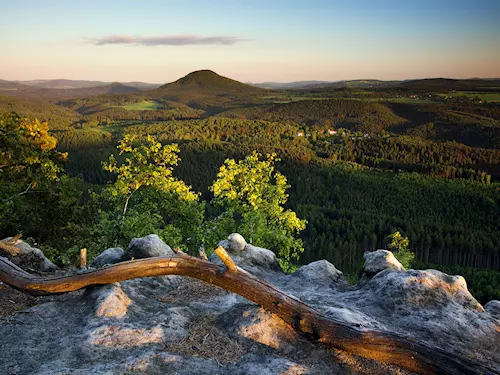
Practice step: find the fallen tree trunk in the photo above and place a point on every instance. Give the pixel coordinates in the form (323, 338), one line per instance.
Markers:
(382, 346)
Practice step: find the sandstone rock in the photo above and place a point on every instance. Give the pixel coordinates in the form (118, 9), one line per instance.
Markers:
(132, 328)
(251, 258)
(234, 244)
(493, 307)
(320, 272)
(116, 336)
(417, 290)
(30, 258)
(380, 260)
(259, 325)
(109, 256)
(111, 301)
(147, 247)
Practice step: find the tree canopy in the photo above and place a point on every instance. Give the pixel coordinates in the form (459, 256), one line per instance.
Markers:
(27, 152)
(254, 193)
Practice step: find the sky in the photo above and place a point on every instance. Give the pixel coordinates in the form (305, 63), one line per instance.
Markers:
(251, 41)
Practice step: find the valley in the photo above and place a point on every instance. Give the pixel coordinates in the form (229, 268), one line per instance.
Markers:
(363, 159)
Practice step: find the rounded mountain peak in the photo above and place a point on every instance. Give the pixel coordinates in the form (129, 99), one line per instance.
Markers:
(206, 79)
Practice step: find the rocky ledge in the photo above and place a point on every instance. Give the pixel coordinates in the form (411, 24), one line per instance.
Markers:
(178, 325)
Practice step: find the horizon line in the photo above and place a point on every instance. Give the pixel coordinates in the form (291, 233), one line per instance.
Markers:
(255, 82)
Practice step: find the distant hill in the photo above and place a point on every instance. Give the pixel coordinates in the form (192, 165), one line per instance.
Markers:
(9, 88)
(288, 85)
(323, 114)
(447, 84)
(142, 85)
(355, 83)
(207, 80)
(117, 88)
(129, 106)
(207, 90)
(80, 84)
(62, 83)
(59, 118)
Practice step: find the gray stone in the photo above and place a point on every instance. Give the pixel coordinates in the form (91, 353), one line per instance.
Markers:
(109, 256)
(257, 324)
(258, 260)
(380, 260)
(320, 272)
(30, 258)
(493, 307)
(234, 244)
(111, 301)
(147, 247)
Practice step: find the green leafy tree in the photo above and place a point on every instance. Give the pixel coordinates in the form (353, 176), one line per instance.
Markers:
(399, 245)
(37, 199)
(146, 197)
(147, 165)
(253, 194)
(27, 153)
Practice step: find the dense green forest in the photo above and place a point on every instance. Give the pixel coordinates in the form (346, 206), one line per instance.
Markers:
(357, 170)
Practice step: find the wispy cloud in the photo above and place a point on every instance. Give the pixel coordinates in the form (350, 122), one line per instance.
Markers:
(167, 40)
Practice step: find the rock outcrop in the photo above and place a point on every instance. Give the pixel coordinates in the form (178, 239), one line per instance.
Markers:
(146, 247)
(29, 258)
(110, 256)
(493, 307)
(380, 260)
(261, 262)
(179, 325)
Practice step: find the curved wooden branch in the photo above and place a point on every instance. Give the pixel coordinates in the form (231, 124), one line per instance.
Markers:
(382, 346)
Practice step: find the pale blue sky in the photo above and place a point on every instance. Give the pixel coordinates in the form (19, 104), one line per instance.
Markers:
(160, 41)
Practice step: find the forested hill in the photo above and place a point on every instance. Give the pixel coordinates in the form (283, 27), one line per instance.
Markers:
(207, 90)
(447, 85)
(209, 81)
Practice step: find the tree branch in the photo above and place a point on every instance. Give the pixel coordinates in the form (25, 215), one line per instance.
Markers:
(19, 194)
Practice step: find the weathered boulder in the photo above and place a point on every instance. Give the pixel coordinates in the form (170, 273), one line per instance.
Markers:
(109, 256)
(416, 290)
(320, 272)
(379, 260)
(493, 307)
(146, 247)
(235, 243)
(257, 260)
(29, 258)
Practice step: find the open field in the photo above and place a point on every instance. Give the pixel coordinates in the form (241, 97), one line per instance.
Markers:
(145, 105)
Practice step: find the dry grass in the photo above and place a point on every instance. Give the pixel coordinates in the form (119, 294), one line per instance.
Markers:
(190, 290)
(359, 365)
(205, 340)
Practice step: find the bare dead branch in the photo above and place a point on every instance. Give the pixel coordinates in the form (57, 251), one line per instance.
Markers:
(226, 259)
(9, 246)
(19, 194)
